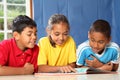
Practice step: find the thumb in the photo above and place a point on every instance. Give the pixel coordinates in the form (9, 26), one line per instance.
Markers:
(27, 64)
(109, 63)
(93, 57)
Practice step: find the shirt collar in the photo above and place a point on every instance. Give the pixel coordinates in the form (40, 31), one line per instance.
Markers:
(18, 51)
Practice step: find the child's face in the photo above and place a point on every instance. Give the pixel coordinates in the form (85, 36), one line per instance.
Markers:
(97, 41)
(27, 38)
(59, 33)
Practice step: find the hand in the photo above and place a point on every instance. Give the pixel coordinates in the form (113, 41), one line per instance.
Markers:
(67, 69)
(94, 63)
(107, 66)
(28, 68)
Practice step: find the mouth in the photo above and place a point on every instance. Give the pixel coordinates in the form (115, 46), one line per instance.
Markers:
(32, 42)
(60, 42)
(95, 50)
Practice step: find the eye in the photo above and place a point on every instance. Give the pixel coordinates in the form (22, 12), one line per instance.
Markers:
(28, 34)
(92, 40)
(101, 42)
(57, 34)
(35, 34)
(65, 34)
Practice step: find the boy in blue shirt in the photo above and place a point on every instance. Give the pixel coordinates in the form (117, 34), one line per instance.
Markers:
(98, 51)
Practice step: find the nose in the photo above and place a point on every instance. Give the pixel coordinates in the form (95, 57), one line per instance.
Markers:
(34, 36)
(61, 37)
(95, 44)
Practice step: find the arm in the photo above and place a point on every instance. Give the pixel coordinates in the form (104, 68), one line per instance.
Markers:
(107, 67)
(110, 67)
(97, 64)
(47, 68)
(115, 67)
(64, 69)
(94, 63)
(7, 70)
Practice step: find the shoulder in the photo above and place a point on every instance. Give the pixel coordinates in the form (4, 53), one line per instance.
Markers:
(35, 49)
(84, 45)
(70, 39)
(43, 39)
(7, 42)
(44, 43)
(70, 42)
(7, 46)
(113, 45)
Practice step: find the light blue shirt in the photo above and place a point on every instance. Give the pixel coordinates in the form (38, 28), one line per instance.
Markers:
(111, 53)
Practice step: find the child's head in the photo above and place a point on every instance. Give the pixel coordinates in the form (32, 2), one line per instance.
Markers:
(58, 29)
(99, 35)
(24, 32)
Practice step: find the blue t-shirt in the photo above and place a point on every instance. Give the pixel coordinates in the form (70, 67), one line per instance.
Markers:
(111, 53)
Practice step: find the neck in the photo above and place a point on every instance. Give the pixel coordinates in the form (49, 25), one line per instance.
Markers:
(101, 51)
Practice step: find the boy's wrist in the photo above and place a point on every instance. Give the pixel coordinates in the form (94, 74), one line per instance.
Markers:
(23, 70)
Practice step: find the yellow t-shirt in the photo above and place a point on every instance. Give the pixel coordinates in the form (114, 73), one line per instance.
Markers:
(56, 56)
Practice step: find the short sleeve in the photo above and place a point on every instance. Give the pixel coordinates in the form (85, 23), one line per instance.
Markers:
(42, 58)
(72, 55)
(3, 54)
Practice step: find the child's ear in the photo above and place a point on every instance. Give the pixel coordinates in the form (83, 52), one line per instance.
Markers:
(16, 35)
(48, 31)
(109, 39)
(88, 34)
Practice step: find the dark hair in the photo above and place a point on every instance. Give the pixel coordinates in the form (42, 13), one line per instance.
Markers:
(56, 19)
(101, 26)
(21, 22)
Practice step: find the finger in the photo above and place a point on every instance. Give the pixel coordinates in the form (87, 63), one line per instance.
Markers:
(61, 70)
(27, 63)
(64, 69)
(71, 69)
(88, 61)
(67, 69)
(109, 63)
(93, 57)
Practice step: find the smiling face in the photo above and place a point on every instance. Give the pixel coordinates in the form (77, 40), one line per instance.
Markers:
(27, 38)
(59, 33)
(97, 41)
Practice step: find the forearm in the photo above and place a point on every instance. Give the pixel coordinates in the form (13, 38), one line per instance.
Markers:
(46, 68)
(4, 70)
(109, 67)
(104, 67)
(73, 65)
(115, 67)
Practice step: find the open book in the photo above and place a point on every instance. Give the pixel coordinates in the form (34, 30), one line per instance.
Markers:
(90, 70)
(79, 71)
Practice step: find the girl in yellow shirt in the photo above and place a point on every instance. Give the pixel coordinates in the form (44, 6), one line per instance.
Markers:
(58, 49)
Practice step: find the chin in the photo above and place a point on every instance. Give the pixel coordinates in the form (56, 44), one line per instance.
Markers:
(96, 51)
(31, 46)
(59, 44)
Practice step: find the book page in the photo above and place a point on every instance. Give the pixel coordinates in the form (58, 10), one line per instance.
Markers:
(81, 70)
(78, 71)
